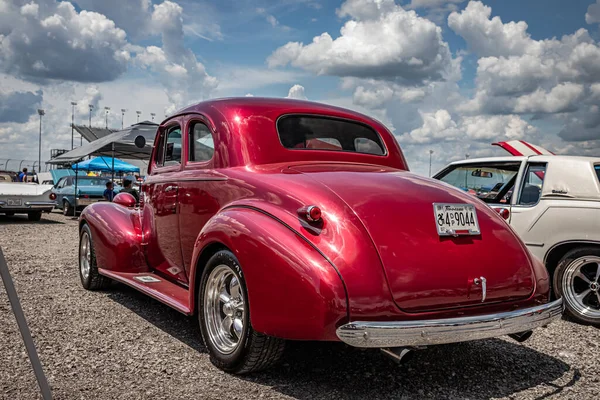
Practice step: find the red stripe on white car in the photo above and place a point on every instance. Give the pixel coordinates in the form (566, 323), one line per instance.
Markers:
(522, 148)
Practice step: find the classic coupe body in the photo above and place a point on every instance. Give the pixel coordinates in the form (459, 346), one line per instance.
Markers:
(274, 219)
(553, 203)
(90, 189)
(26, 198)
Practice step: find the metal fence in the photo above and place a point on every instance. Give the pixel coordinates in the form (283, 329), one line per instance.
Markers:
(10, 164)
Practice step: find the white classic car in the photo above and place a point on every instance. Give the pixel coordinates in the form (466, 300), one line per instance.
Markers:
(553, 203)
(26, 198)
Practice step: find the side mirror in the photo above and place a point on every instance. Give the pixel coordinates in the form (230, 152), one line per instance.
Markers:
(125, 199)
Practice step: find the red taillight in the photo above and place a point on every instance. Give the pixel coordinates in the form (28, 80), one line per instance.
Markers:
(52, 196)
(504, 213)
(311, 213)
(85, 196)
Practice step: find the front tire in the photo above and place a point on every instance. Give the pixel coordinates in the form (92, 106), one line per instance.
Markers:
(88, 269)
(224, 317)
(577, 281)
(34, 216)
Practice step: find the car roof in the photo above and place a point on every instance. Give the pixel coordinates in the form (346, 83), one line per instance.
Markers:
(272, 103)
(246, 127)
(541, 158)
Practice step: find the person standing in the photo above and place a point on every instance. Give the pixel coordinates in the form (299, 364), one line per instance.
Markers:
(23, 175)
(127, 188)
(109, 193)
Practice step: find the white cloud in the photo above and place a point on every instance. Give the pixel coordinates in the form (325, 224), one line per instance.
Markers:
(381, 40)
(271, 19)
(436, 126)
(297, 92)
(593, 13)
(376, 94)
(439, 126)
(235, 80)
(18, 106)
(557, 100)
(553, 78)
(432, 3)
(176, 66)
(49, 40)
(488, 36)
(133, 16)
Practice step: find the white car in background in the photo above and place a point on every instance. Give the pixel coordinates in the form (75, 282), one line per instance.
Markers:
(553, 203)
(26, 198)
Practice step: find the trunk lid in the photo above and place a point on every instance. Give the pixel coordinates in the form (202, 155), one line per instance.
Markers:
(23, 189)
(426, 272)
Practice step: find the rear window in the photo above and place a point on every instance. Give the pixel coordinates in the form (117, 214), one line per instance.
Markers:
(320, 133)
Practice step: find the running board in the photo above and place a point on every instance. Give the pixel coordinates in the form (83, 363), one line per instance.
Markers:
(154, 286)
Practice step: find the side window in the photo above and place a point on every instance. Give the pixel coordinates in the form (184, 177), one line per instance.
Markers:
(158, 153)
(202, 146)
(491, 182)
(533, 182)
(173, 147)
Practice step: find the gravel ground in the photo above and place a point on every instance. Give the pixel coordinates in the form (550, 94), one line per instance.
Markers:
(119, 344)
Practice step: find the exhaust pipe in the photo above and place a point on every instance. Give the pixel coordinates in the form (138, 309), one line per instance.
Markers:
(521, 336)
(401, 355)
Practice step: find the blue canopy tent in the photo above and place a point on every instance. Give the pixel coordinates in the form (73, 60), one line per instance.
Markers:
(105, 164)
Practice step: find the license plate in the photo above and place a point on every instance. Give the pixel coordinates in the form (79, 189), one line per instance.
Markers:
(14, 202)
(455, 219)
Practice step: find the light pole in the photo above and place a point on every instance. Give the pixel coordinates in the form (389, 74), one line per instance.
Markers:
(152, 114)
(138, 115)
(73, 104)
(430, 153)
(107, 109)
(467, 155)
(41, 113)
(123, 117)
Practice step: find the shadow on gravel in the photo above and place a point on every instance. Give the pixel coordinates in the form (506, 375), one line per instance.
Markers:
(21, 219)
(163, 317)
(482, 369)
(313, 370)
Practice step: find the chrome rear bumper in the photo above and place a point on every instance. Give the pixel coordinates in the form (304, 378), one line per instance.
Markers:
(29, 205)
(449, 330)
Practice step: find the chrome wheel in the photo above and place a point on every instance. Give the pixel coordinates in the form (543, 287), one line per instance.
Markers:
(581, 286)
(85, 255)
(224, 309)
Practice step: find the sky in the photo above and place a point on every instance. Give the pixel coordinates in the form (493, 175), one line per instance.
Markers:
(451, 76)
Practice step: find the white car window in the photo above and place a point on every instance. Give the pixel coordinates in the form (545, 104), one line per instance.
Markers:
(533, 182)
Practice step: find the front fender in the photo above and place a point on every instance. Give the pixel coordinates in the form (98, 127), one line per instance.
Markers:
(117, 237)
(293, 291)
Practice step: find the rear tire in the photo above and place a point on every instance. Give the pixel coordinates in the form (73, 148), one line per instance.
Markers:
(34, 216)
(67, 209)
(224, 317)
(577, 280)
(88, 269)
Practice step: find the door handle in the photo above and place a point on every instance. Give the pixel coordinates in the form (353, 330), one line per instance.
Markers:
(170, 188)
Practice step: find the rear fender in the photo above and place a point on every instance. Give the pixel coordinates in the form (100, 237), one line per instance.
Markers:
(293, 291)
(117, 237)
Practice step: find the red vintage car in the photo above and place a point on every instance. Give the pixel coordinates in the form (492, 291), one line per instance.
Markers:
(273, 220)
